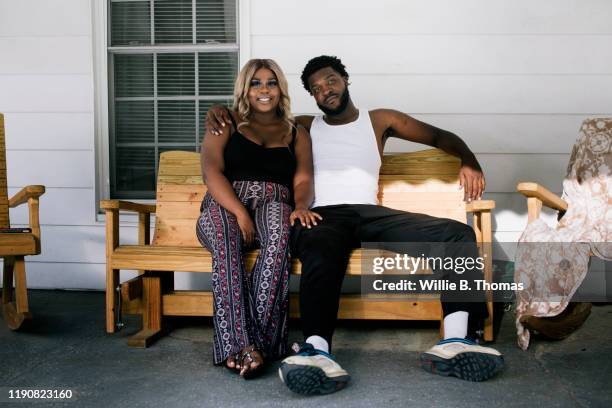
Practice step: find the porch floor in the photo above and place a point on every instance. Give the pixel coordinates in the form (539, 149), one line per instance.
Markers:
(65, 347)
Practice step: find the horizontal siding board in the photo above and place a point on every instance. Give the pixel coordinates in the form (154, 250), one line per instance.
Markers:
(504, 171)
(60, 206)
(475, 94)
(46, 93)
(510, 213)
(51, 275)
(46, 55)
(49, 131)
(527, 134)
(444, 54)
(437, 16)
(51, 168)
(45, 18)
(84, 244)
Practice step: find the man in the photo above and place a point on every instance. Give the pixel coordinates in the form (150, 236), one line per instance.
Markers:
(347, 148)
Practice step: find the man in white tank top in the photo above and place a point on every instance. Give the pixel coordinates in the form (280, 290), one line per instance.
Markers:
(347, 146)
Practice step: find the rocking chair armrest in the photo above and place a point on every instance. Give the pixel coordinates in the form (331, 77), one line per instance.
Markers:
(480, 205)
(26, 194)
(127, 206)
(549, 199)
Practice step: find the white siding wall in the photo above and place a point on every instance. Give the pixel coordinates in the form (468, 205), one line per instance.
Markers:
(514, 79)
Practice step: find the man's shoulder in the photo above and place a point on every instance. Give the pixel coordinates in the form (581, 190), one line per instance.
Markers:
(384, 117)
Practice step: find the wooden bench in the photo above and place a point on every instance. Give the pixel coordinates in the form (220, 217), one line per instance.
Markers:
(425, 182)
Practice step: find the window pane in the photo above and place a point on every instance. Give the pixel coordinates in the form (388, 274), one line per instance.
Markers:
(160, 104)
(176, 122)
(217, 72)
(216, 21)
(173, 21)
(131, 23)
(175, 74)
(135, 171)
(134, 122)
(133, 75)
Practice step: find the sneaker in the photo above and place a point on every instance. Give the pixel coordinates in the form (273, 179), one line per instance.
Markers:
(312, 371)
(462, 358)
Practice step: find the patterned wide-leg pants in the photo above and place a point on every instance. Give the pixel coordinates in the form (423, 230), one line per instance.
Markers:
(249, 308)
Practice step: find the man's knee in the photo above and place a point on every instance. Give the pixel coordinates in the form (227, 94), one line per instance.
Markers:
(459, 232)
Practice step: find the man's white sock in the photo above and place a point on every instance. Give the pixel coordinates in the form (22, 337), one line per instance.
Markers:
(455, 325)
(319, 343)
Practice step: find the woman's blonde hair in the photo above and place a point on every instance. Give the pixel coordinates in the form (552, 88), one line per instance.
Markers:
(243, 83)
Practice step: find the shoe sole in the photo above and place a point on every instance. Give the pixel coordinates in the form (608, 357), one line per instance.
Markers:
(310, 380)
(469, 366)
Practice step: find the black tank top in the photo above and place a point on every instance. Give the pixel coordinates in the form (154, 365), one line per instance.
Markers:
(246, 160)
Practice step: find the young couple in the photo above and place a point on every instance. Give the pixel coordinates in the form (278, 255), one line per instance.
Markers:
(258, 161)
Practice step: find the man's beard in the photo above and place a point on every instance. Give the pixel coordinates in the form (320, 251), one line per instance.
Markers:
(344, 100)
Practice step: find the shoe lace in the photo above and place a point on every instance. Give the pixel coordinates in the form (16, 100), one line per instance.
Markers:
(307, 350)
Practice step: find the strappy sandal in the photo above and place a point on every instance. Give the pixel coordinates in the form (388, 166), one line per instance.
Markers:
(247, 357)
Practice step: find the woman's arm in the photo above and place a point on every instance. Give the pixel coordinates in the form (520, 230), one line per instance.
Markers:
(213, 165)
(303, 181)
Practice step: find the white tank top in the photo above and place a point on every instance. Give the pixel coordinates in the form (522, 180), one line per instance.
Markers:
(346, 162)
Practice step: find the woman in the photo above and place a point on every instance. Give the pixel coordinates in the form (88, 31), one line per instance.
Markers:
(252, 170)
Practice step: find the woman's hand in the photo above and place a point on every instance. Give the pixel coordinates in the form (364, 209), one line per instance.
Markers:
(247, 228)
(306, 217)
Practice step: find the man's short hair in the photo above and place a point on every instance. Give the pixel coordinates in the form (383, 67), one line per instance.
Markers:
(320, 62)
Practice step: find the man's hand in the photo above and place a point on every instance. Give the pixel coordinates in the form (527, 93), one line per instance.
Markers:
(472, 180)
(306, 217)
(216, 118)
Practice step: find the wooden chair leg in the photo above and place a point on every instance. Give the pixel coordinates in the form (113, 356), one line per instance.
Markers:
(151, 313)
(21, 287)
(488, 328)
(15, 312)
(112, 280)
(7, 280)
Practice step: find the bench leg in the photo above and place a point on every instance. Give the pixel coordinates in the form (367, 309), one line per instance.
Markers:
(112, 280)
(15, 312)
(488, 328)
(151, 313)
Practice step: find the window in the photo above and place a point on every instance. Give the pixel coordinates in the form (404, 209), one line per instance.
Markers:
(169, 61)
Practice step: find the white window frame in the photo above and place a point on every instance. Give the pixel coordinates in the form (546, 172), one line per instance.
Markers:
(99, 9)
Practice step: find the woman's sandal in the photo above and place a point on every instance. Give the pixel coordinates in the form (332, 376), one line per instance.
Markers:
(248, 356)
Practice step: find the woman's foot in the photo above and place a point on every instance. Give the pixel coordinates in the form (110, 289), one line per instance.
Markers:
(250, 362)
(231, 363)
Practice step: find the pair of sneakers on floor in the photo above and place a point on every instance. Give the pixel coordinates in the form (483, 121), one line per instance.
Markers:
(313, 371)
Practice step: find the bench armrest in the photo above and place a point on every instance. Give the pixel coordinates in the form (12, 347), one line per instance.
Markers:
(538, 196)
(127, 206)
(25, 194)
(30, 194)
(112, 208)
(480, 205)
(550, 200)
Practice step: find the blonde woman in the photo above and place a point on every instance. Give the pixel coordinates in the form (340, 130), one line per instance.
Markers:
(255, 169)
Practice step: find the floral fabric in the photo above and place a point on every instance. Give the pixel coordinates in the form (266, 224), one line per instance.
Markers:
(552, 262)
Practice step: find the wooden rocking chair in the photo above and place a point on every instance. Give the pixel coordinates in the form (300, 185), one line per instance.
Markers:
(15, 243)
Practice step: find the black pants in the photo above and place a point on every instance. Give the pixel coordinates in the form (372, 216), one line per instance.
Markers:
(324, 252)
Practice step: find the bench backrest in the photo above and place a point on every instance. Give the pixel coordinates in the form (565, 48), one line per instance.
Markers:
(4, 213)
(424, 182)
